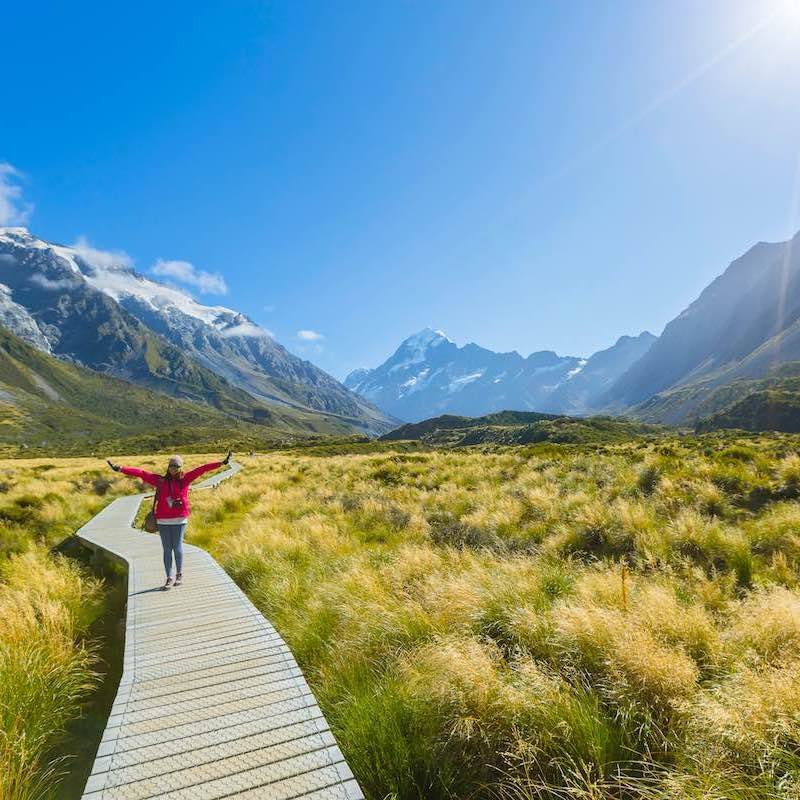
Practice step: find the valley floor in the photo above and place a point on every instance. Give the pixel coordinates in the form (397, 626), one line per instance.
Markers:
(545, 622)
(607, 621)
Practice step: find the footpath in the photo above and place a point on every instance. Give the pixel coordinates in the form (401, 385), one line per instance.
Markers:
(211, 703)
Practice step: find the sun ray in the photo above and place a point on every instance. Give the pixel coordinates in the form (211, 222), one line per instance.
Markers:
(786, 264)
(662, 99)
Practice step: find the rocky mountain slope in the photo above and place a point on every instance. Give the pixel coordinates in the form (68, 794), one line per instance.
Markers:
(429, 375)
(47, 404)
(16, 318)
(97, 311)
(742, 325)
(582, 392)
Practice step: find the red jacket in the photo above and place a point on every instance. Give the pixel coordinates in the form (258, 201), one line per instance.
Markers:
(175, 488)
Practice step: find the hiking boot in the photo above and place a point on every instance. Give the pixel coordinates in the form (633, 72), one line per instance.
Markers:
(167, 584)
(179, 579)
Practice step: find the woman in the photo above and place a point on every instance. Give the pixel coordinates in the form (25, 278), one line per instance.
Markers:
(172, 506)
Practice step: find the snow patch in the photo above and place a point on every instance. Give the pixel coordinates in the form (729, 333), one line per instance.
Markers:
(22, 237)
(415, 383)
(573, 372)
(120, 282)
(459, 383)
(10, 232)
(112, 273)
(18, 320)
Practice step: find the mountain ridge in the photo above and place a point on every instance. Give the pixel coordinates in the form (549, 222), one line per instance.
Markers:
(96, 310)
(743, 324)
(429, 375)
(50, 404)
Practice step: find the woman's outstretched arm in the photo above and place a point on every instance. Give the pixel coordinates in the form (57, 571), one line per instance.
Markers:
(135, 472)
(195, 473)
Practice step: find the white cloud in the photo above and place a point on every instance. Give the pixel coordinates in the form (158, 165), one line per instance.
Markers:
(101, 259)
(245, 329)
(13, 209)
(51, 285)
(309, 336)
(186, 272)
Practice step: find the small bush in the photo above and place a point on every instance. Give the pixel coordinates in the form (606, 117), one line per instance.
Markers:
(445, 530)
(648, 479)
(101, 485)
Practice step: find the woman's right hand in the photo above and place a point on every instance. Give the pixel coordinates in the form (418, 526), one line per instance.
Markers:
(113, 466)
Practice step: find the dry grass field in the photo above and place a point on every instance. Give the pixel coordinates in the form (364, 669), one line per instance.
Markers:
(618, 621)
(48, 603)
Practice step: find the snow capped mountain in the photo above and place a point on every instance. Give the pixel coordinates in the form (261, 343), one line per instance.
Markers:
(88, 303)
(429, 375)
(415, 349)
(113, 274)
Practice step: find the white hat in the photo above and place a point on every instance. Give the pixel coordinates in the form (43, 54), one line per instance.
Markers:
(176, 460)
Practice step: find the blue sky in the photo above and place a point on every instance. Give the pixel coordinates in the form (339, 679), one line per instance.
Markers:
(526, 175)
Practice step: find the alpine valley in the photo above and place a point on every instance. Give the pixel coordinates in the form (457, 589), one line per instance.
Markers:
(429, 375)
(730, 358)
(740, 337)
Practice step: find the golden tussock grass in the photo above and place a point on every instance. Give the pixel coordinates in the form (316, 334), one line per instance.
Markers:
(535, 623)
(580, 622)
(48, 602)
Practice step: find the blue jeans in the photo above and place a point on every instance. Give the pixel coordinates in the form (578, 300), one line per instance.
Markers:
(172, 541)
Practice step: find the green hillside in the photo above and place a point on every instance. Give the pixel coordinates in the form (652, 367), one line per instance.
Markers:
(695, 401)
(762, 410)
(771, 403)
(516, 428)
(53, 406)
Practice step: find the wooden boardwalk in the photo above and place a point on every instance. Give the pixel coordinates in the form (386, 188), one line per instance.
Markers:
(211, 703)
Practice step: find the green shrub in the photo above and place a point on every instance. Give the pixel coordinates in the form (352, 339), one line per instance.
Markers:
(648, 479)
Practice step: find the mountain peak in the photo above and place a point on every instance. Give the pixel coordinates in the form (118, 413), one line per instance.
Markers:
(15, 231)
(356, 376)
(644, 336)
(429, 375)
(426, 337)
(416, 347)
